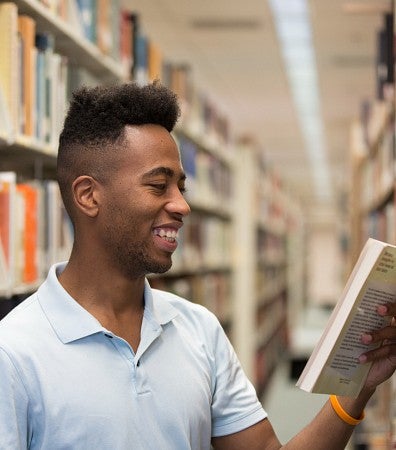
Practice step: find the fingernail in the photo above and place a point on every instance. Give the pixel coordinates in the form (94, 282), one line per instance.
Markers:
(367, 338)
(362, 359)
(382, 309)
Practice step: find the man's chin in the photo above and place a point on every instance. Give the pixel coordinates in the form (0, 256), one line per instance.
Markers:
(161, 268)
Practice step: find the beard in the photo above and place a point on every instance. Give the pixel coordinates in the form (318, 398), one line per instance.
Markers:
(135, 261)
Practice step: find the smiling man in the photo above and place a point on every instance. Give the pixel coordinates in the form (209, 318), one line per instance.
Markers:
(96, 359)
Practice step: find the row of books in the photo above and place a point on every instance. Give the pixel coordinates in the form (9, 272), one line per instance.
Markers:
(33, 80)
(378, 170)
(271, 248)
(271, 269)
(212, 289)
(97, 21)
(379, 223)
(268, 356)
(35, 232)
(204, 243)
(208, 176)
(271, 202)
(270, 284)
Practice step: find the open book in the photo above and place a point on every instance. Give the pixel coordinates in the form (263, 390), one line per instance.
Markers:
(333, 367)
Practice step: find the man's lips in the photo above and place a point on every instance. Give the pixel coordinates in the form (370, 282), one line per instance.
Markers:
(166, 236)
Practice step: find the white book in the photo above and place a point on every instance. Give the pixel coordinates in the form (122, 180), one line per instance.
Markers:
(333, 367)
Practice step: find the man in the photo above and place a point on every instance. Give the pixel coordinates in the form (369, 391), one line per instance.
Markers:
(96, 359)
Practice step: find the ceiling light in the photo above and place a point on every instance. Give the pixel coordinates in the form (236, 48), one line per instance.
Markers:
(293, 28)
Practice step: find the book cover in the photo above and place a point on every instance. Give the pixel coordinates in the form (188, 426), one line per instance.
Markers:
(333, 367)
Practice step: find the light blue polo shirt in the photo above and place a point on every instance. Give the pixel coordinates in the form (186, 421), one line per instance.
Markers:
(67, 383)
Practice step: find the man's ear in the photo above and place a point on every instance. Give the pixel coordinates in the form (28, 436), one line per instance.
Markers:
(85, 195)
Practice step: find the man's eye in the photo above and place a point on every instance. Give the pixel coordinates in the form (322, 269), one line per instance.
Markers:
(183, 189)
(159, 187)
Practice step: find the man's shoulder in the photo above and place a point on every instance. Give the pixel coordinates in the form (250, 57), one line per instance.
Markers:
(20, 319)
(22, 310)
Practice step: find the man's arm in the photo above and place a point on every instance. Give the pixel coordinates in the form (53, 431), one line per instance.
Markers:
(327, 429)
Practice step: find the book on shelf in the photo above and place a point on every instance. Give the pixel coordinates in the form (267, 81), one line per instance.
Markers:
(333, 367)
(7, 229)
(27, 240)
(140, 58)
(6, 131)
(87, 14)
(9, 73)
(126, 44)
(155, 62)
(58, 229)
(27, 62)
(104, 34)
(35, 231)
(52, 71)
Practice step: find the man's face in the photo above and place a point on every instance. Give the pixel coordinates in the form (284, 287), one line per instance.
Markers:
(143, 204)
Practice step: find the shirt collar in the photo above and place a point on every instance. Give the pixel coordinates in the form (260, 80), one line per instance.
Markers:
(71, 321)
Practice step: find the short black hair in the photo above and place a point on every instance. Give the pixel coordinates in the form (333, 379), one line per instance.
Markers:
(95, 124)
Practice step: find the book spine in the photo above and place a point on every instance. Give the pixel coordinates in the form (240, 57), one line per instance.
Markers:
(26, 30)
(9, 60)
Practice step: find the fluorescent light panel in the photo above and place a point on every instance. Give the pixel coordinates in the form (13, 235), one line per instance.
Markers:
(293, 28)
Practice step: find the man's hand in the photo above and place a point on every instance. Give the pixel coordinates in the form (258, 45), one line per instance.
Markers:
(384, 357)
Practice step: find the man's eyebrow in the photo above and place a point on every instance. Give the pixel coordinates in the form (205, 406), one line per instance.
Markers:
(163, 171)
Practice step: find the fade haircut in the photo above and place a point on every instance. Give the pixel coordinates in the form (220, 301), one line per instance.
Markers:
(94, 128)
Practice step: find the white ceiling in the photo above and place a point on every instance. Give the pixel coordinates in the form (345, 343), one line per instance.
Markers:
(242, 70)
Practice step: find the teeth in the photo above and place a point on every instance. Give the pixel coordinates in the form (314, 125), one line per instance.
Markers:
(169, 235)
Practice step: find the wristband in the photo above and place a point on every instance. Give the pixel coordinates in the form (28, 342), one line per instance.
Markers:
(342, 414)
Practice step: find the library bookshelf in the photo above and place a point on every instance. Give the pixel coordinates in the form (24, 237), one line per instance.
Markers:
(265, 224)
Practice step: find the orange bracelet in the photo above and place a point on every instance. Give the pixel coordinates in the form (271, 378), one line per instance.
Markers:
(342, 414)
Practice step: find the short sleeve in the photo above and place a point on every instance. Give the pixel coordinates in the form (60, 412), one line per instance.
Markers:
(13, 407)
(235, 405)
